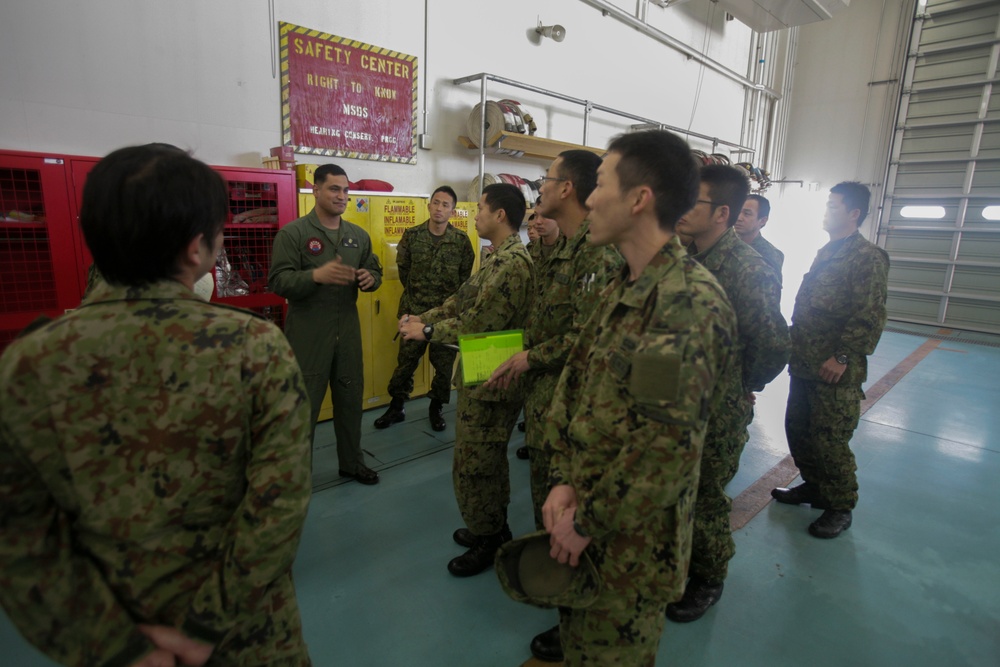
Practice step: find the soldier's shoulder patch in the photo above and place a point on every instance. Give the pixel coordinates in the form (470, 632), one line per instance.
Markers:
(314, 246)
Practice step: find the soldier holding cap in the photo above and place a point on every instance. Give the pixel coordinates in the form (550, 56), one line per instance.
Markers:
(628, 418)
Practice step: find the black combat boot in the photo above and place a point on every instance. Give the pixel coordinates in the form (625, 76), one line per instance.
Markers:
(699, 595)
(436, 418)
(547, 647)
(830, 524)
(803, 494)
(465, 537)
(395, 414)
(480, 557)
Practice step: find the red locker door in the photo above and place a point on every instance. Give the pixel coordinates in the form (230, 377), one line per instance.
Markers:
(37, 243)
(79, 167)
(260, 201)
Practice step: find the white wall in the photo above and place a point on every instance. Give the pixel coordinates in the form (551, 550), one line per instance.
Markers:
(837, 129)
(839, 124)
(86, 77)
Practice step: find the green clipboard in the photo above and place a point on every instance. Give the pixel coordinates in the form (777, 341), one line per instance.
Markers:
(483, 353)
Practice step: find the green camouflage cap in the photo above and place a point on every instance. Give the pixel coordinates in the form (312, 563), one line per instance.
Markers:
(528, 574)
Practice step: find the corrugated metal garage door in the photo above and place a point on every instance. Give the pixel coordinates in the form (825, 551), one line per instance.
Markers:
(944, 172)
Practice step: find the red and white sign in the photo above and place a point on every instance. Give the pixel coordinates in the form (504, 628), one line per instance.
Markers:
(344, 98)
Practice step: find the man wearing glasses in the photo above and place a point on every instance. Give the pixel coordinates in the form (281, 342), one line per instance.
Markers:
(567, 289)
(754, 290)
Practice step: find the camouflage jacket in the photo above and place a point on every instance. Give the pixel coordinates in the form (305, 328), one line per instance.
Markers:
(628, 418)
(432, 270)
(568, 286)
(540, 252)
(840, 309)
(754, 291)
(305, 244)
(774, 257)
(154, 467)
(496, 298)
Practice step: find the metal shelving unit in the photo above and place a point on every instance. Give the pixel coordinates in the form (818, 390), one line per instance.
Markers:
(539, 147)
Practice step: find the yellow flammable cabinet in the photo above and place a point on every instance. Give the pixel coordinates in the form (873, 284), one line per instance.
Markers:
(385, 216)
(390, 216)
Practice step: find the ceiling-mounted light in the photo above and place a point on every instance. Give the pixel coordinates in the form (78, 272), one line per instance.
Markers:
(556, 32)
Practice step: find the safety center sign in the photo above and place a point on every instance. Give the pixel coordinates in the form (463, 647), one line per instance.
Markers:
(344, 98)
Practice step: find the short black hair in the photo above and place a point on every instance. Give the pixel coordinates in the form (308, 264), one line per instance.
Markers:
(142, 206)
(324, 170)
(580, 168)
(509, 198)
(763, 205)
(663, 162)
(855, 196)
(727, 186)
(448, 191)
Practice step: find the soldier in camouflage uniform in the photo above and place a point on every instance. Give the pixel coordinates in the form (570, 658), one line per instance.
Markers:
(496, 298)
(753, 216)
(754, 290)
(837, 322)
(93, 278)
(628, 419)
(567, 289)
(319, 262)
(546, 236)
(153, 447)
(434, 260)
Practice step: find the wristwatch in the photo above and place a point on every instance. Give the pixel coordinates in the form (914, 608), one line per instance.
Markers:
(841, 359)
(579, 531)
(428, 331)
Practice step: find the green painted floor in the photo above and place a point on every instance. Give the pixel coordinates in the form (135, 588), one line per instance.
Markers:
(915, 582)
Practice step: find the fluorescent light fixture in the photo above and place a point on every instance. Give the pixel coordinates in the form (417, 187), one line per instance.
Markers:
(926, 212)
(991, 212)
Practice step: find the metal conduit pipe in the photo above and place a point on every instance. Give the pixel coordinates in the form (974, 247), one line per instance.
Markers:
(610, 10)
(777, 141)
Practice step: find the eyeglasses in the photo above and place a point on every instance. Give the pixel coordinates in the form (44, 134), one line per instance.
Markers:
(709, 202)
(551, 178)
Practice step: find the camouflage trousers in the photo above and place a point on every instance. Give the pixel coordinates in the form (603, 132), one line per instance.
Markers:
(480, 470)
(819, 422)
(272, 636)
(619, 631)
(536, 408)
(712, 542)
(442, 359)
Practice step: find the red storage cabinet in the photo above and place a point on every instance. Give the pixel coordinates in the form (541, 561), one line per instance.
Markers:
(38, 244)
(260, 202)
(44, 258)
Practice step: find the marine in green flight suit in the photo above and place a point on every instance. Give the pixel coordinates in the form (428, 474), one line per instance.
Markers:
(319, 262)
